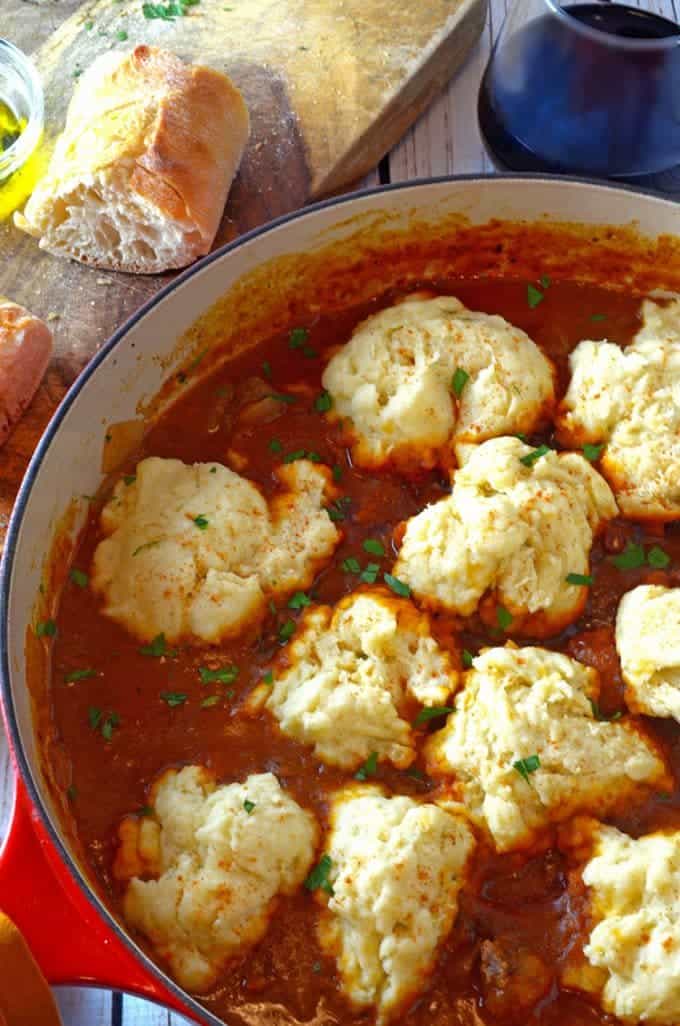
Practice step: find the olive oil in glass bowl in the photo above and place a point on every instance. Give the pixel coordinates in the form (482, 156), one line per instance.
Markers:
(21, 127)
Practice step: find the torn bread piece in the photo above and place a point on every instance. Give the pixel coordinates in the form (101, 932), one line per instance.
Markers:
(353, 677)
(628, 401)
(194, 551)
(140, 175)
(631, 956)
(394, 869)
(648, 643)
(516, 531)
(427, 375)
(524, 748)
(204, 869)
(25, 350)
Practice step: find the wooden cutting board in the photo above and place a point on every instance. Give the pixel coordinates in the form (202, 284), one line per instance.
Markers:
(331, 85)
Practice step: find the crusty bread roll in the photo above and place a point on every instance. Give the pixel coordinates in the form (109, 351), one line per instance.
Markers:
(139, 177)
(25, 348)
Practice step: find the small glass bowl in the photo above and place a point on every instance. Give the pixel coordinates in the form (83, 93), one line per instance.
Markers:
(21, 90)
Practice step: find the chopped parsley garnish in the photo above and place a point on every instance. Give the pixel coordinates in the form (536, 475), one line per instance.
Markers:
(210, 701)
(297, 338)
(46, 629)
(598, 317)
(157, 648)
(534, 455)
(121, 35)
(657, 558)
(534, 296)
(299, 600)
(146, 545)
(213, 470)
(459, 381)
(109, 725)
(368, 768)
(313, 457)
(173, 698)
(94, 716)
(272, 607)
(316, 967)
(309, 352)
(146, 810)
(526, 766)
(397, 586)
(79, 578)
(544, 280)
(337, 473)
(351, 565)
(432, 712)
(584, 579)
(338, 509)
(201, 521)
(467, 659)
(297, 454)
(268, 677)
(75, 675)
(129, 479)
(415, 774)
(323, 402)
(318, 878)
(373, 546)
(275, 445)
(632, 557)
(282, 397)
(503, 618)
(89, 25)
(602, 716)
(592, 452)
(248, 806)
(223, 675)
(169, 11)
(267, 369)
(370, 574)
(287, 631)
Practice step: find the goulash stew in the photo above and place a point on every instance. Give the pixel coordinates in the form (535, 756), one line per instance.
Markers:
(366, 675)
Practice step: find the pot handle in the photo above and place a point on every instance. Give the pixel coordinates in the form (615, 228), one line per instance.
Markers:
(68, 939)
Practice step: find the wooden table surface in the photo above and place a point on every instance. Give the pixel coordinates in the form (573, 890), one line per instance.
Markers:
(445, 141)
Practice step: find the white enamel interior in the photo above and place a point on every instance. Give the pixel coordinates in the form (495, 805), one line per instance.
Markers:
(68, 460)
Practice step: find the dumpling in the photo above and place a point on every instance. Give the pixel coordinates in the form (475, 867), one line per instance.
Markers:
(195, 551)
(518, 522)
(427, 374)
(218, 857)
(648, 643)
(525, 749)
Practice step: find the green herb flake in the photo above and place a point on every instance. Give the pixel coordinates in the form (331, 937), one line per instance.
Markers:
(213, 470)
(527, 766)
(299, 600)
(76, 74)
(268, 677)
(169, 11)
(121, 35)
(318, 878)
(503, 618)
(534, 296)
(267, 369)
(211, 700)
(129, 479)
(657, 558)
(292, 457)
(534, 455)
(663, 796)
(297, 338)
(46, 629)
(415, 774)
(276, 445)
(582, 579)
(287, 631)
(313, 457)
(223, 675)
(337, 473)
(89, 25)
(592, 452)
(74, 675)
(338, 510)
(157, 648)
(145, 810)
(248, 806)
(544, 281)
(272, 607)
(109, 725)
(459, 381)
(145, 546)
(79, 578)
(632, 557)
(201, 521)
(94, 716)
(432, 712)
(282, 397)
(72, 793)
(370, 574)
(351, 565)
(323, 402)
(316, 967)
(397, 586)
(309, 352)
(373, 546)
(173, 698)
(369, 767)
(598, 317)
(604, 717)
(467, 659)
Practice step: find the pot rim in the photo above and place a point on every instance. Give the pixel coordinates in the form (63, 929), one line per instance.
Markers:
(11, 542)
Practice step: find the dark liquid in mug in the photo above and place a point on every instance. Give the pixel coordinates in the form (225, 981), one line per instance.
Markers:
(554, 99)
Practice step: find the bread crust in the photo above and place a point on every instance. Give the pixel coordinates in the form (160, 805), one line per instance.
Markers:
(25, 349)
(179, 132)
